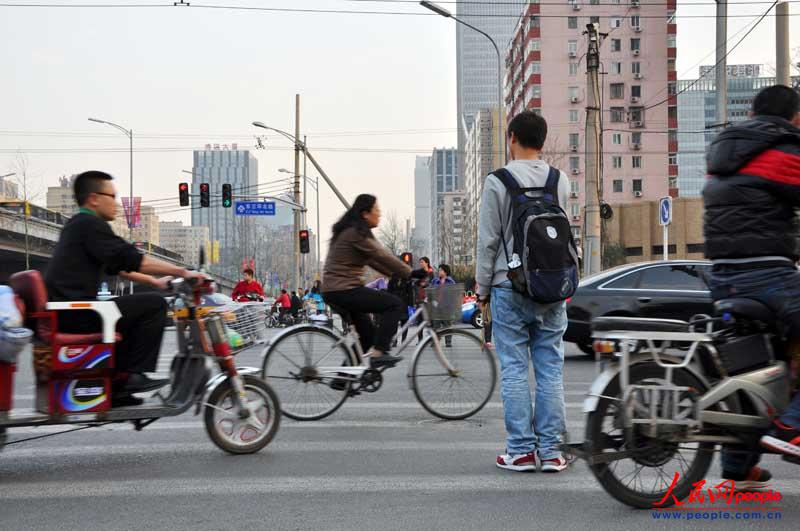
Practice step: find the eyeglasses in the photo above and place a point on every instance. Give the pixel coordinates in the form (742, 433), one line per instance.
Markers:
(112, 196)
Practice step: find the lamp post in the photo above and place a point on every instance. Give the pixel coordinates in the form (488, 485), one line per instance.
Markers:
(129, 134)
(501, 144)
(315, 185)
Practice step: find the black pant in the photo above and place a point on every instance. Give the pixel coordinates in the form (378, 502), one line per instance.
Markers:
(141, 325)
(361, 302)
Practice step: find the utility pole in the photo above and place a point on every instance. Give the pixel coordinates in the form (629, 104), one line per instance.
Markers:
(296, 238)
(591, 239)
(304, 267)
(782, 59)
(721, 69)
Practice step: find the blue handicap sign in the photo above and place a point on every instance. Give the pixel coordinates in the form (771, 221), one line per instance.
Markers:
(665, 211)
(255, 208)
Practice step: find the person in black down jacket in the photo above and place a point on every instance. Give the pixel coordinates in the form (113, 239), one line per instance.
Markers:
(750, 198)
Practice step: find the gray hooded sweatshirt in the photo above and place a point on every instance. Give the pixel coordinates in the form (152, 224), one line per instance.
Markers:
(492, 265)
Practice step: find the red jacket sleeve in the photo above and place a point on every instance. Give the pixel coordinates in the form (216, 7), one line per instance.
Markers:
(238, 290)
(259, 289)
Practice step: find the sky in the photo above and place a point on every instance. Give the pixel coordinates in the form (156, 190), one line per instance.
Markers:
(376, 90)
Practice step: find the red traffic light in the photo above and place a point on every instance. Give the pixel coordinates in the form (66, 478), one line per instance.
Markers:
(184, 187)
(304, 245)
(205, 199)
(183, 194)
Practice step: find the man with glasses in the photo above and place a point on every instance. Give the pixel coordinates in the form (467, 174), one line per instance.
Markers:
(86, 252)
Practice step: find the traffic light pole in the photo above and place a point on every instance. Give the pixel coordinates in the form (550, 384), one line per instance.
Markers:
(297, 275)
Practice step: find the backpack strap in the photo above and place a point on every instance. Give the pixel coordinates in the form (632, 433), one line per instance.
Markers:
(514, 190)
(551, 186)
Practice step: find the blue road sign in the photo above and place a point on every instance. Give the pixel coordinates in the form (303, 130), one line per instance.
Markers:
(255, 208)
(665, 211)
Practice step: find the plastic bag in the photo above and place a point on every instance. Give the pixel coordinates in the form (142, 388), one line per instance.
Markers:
(9, 313)
(12, 342)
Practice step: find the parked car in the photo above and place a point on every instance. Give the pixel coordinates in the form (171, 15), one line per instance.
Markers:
(673, 289)
(471, 314)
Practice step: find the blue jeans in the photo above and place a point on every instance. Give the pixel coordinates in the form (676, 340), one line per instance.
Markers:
(779, 289)
(525, 332)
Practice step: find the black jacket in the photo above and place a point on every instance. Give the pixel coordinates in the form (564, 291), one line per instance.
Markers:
(752, 190)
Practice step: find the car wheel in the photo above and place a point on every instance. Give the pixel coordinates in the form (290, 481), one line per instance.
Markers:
(476, 320)
(586, 348)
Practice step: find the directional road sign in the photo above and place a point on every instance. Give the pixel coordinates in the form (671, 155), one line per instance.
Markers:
(665, 211)
(255, 208)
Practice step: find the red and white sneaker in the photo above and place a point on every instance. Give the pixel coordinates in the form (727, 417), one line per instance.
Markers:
(556, 464)
(518, 463)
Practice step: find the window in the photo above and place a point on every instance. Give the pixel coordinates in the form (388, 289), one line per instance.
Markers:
(572, 92)
(616, 139)
(616, 45)
(533, 45)
(671, 64)
(573, 69)
(672, 88)
(635, 21)
(616, 162)
(535, 68)
(616, 22)
(671, 17)
(594, 20)
(575, 210)
(574, 139)
(636, 91)
(636, 138)
(573, 116)
(617, 91)
(572, 22)
(636, 161)
(533, 22)
(616, 68)
(572, 46)
(671, 42)
(637, 185)
(617, 186)
(594, 2)
(672, 159)
(574, 163)
(636, 114)
(574, 187)
(636, 67)
(636, 44)
(629, 281)
(673, 277)
(617, 114)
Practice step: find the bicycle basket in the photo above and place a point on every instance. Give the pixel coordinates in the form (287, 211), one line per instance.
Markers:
(444, 302)
(245, 318)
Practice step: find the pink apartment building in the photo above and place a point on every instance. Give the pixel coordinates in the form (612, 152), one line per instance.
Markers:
(546, 72)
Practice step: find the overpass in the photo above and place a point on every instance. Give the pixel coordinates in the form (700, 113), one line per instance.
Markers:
(42, 237)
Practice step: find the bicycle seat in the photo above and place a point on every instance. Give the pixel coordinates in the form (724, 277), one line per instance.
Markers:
(747, 308)
(638, 324)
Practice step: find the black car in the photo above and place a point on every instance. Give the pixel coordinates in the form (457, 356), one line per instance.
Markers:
(674, 289)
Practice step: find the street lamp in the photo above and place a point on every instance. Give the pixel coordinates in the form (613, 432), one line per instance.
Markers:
(129, 134)
(315, 185)
(501, 137)
(7, 175)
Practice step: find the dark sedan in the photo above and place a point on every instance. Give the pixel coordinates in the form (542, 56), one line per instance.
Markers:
(673, 289)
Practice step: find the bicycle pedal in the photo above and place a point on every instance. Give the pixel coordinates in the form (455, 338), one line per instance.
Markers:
(353, 392)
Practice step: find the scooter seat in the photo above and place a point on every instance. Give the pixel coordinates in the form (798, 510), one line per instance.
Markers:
(747, 308)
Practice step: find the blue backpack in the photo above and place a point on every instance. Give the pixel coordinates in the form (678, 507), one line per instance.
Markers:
(544, 263)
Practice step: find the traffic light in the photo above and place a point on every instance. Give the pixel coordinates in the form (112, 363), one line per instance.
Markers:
(227, 197)
(304, 247)
(183, 194)
(204, 197)
(407, 258)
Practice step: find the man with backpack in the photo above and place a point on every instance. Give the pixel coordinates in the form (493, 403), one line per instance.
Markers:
(527, 266)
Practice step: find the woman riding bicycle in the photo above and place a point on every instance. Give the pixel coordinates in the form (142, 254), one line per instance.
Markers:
(352, 248)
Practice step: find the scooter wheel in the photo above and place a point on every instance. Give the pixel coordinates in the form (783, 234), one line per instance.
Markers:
(237, 435)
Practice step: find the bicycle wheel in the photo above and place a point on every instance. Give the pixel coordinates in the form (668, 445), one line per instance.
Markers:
(464, 391)
(291, 367)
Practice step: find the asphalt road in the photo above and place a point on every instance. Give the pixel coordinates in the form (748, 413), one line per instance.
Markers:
(380, 462)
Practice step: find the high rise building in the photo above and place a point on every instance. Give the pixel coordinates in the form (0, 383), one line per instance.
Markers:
(61, 199)
(443, 178)
(184, 240)
(697, 116)
(476, 59)
(481, 156)
(450, 237)
(547, 74)
(9, 190)
(216, 166)
(421, 234)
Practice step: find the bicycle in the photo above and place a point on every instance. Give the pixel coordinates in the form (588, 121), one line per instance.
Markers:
(452, 373)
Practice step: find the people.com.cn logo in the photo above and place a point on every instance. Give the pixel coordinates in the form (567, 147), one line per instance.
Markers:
(722, 499)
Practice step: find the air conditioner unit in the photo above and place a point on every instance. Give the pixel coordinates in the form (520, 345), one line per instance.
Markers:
(573, 54)
(576, 7)
(576, 171)
(637, 194)
(637, 29)
(574, 99)
(636, 146)
(574, 149)
(576, 218)
(634, 99)
(634, 3)
(573, 194)
(637, 124)
(635, 52)
(638, 76)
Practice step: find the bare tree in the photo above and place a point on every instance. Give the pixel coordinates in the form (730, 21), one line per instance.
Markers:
(555, 153)
(392, 234)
